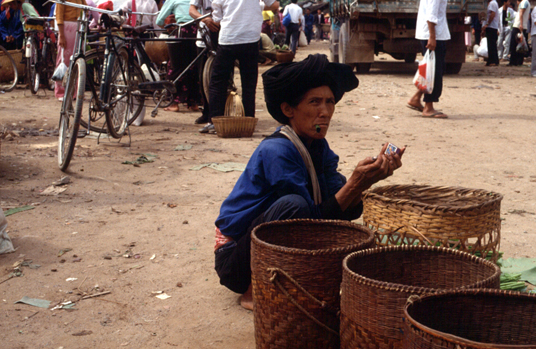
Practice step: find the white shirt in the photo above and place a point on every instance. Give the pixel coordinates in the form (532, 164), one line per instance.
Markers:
(434, 11)
(295, 11)
(511, 14)
(240, 20)
(525, 4)
(493, 7)
(145, 6)
(533, 27)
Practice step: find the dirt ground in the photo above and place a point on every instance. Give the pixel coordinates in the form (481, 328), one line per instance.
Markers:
(138, 231)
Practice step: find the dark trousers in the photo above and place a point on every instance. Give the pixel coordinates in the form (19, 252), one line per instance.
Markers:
(440, 67)
(233, 260)
(493, 55)
(247, 56)
(309, 33)
(293, 36)
(515, 57)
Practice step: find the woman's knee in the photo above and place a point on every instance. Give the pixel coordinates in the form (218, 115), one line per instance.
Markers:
(291, 206)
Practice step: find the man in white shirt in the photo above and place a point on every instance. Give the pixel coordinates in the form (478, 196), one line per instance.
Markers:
(240, 31)
(491, 27)
(520, 26)
(433, 32)
(145, 6)
(293, 29)
(506, 20)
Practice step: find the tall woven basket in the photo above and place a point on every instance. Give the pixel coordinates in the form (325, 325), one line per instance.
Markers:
(471, 319)
(296, 276)
(377, 283)
(465, 219)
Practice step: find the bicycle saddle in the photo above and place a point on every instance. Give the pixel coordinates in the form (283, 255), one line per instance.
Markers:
(35, 21)
(113, 21)
(140, 29)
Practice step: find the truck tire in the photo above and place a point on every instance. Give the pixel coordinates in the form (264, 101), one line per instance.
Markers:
(362, 68)
(344, 38)
(410, 57)
(453, 68)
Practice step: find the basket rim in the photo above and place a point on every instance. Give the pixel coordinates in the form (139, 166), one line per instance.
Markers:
(300, 251)
(460, 340)
(390, 286)
(373, 194)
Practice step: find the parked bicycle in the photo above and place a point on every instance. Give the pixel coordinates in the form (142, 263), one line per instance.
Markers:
(112, 98)
(40, 52)
(9, 75)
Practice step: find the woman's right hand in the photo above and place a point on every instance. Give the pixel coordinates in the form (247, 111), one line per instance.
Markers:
(61, 41)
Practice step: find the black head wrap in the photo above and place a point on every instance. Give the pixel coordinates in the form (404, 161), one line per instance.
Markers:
(288, 81)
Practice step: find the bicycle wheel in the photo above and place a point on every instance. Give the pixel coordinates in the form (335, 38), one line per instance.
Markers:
(31, 67)
(94, 68)
(8, 71)
(49, 65)
(137, 98)
(207, 73)
(118, 94)
(71, 112)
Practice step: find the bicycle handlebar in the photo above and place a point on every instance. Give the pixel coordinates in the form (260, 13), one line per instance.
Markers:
(129, 11)
(187, 23)
(85, 7)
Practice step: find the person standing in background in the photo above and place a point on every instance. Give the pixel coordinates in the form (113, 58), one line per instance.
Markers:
(491, 27)
(11, 23)
(318, 21)
(66, 20)
(199, 8)
(267, 21)
(293, 30)
(506, 20)
(476, 28)
(521, 23)
(309, 20)
(240, 31)
(533, 37)
(433, 32)
(145, 6)
(181, 54)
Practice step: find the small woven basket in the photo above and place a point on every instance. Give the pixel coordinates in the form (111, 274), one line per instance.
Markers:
(234, 127)
(377, 282)
(296, 270)
(460, 218)
(471, 319)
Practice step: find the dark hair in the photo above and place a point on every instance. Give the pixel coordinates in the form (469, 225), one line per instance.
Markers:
(294, 1)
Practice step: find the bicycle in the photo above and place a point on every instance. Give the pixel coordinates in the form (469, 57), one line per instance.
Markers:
(163, 90)
(112, 98)
(40, 52)
(9, 75)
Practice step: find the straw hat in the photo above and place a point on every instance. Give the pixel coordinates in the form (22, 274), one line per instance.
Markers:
(5, 2)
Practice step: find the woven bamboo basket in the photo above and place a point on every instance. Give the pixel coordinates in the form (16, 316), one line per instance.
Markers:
(464, 219)
(377, 282)
(471, 319)
(284, 56)
(234, 127)
(296, 275)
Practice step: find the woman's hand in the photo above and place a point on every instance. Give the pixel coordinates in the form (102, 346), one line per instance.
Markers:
(61, 41)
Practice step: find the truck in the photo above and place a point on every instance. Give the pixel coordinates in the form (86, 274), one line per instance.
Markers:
(368, 27)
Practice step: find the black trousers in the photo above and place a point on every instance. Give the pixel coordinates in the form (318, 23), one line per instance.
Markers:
(440, 68)
(515, 57)
(493, 55)
(247, 56)
(293, 32)
(233, 260)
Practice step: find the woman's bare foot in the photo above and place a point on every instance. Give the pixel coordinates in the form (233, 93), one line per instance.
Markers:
(194, 107)
(246, 300)
(415, 102)
(173, 107)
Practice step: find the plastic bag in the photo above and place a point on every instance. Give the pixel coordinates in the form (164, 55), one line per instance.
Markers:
(60, 71)
(424, 78)
(6, 246)
(522, 46)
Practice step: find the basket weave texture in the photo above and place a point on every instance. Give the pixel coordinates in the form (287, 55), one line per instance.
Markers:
(234, 127)
(310, 253)
(472, 319)
(377, 283)
(465, 219)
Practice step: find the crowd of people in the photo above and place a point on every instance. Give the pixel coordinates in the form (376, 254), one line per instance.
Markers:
(502, 34)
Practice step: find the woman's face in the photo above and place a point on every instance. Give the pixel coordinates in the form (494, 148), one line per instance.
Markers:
(316, 108)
